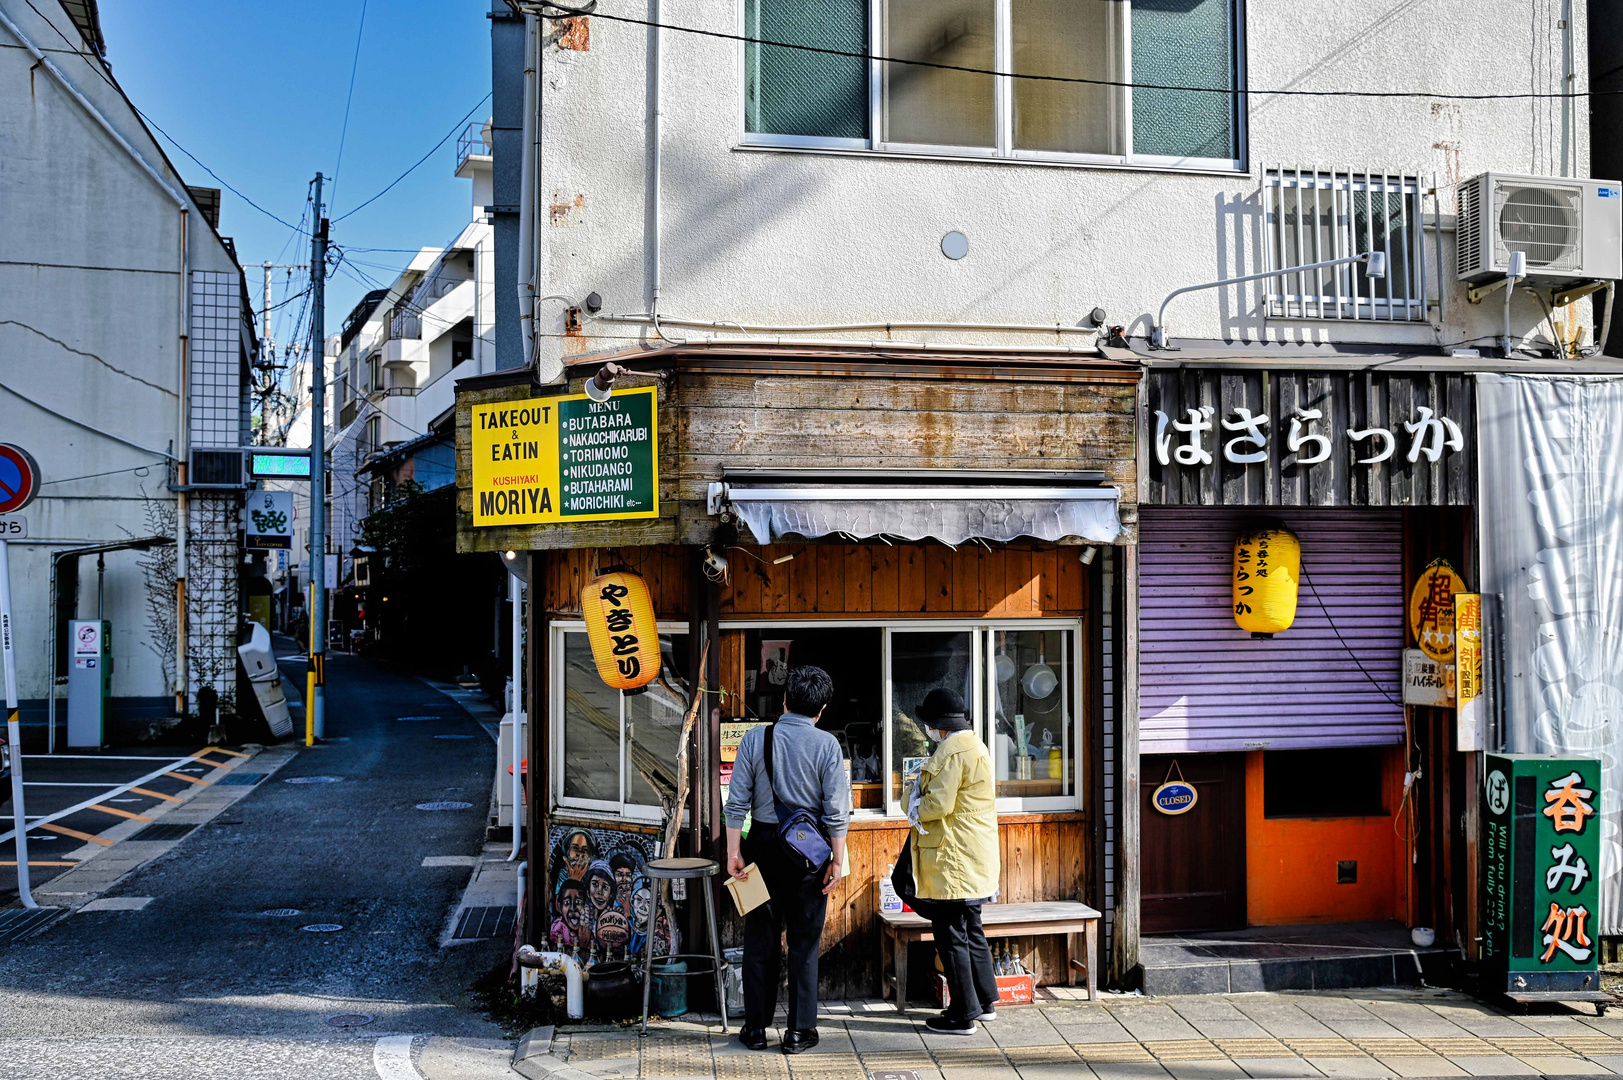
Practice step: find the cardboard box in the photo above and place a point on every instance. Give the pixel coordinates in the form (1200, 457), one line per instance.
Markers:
(1011, 990)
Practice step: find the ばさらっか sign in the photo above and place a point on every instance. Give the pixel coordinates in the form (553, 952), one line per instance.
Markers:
(546, 461)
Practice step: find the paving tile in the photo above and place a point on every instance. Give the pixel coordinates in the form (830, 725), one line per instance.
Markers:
(1154, 1022)
(988, 1072)
(1022, 1057)
(1218, 1069)
(1129, 1070)
(1492, 1065)
(1556, 1026)
(755, 1066)
(1351, 1068)
(1197, 1009)
(1414, 1019)
(1240, 1028)
(1564, 1066)
(1422, 1065)
(1184, 1050)
(1093, 1033)
(1478, 1020)
(1276, 1068)
(1254, 1048)
(1280, 1018)
(1073, 1071)
(1614, 1062)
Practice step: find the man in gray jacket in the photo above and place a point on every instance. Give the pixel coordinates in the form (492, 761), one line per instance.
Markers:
(809, 774)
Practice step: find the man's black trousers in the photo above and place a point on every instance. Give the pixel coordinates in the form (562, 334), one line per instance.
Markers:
(797, 910)
(966, 958)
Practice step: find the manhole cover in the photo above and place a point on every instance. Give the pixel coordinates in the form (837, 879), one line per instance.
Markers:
(323, 927)
(445, 806)
(453, 736)
(349, 1020)
(312, 780)
(281, 912)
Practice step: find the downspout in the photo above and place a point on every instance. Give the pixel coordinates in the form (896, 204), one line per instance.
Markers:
(526, 196)
(656, 125)
(184, 339)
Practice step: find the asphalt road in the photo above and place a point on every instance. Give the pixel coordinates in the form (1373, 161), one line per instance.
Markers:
(202, 982)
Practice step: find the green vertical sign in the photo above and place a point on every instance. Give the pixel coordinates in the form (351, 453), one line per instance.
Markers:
(1541, 861)
(606, 453)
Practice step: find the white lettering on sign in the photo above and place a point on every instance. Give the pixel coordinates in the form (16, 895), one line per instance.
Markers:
(1430, 435)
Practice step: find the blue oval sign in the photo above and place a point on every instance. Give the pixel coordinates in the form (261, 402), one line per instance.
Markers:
(1175, 797)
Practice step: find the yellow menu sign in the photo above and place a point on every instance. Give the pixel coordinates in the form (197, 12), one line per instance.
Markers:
(552, 460)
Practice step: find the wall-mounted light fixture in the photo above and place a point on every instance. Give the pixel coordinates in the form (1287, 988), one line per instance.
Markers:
(1374, 267)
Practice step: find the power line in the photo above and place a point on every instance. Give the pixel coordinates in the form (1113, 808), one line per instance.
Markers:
(456, 128)
(592, 12)
(354, 66)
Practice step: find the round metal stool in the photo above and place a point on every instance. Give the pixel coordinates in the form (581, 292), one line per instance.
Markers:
(662, 872)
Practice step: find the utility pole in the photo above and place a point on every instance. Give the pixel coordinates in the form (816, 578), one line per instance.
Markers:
(315, 726)
(267, 345)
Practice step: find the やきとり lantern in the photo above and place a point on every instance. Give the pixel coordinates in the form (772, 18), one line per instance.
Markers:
(621, 627)
(1267, 568)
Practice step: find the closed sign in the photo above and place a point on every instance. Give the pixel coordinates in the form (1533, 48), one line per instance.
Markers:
(1174, 797)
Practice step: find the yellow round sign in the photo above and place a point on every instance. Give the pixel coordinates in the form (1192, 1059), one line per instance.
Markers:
(1431, 610)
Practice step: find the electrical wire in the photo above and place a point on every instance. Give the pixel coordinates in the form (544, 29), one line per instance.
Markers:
(1326, 612)
(592, 12)
(415, 164)
(343, 132)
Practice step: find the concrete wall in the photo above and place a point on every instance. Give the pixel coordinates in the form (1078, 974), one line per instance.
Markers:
(753, 234)
(90, 331)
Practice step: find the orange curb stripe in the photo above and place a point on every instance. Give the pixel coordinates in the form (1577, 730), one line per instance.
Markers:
(222, 750)
(36, 862)
(117, 811)
(155, 794)
(188, 779)
(77, 835)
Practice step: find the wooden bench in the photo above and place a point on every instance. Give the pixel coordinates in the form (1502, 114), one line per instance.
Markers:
(1068, 917)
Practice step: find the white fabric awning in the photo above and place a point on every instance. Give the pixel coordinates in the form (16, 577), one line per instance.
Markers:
(952, 514)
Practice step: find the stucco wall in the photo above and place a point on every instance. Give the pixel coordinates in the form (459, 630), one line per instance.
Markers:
(775, 237)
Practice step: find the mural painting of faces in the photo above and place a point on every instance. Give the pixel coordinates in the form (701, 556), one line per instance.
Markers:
(602, 900)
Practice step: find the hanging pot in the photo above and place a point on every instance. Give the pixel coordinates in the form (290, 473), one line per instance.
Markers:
(1039, 680)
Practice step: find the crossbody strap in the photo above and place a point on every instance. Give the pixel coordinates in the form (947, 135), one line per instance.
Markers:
(771, 782)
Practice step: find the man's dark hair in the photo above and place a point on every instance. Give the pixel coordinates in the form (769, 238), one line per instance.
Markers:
(808, 690)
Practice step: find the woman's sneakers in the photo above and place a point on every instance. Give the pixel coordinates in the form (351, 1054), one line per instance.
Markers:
(940, 1025)
(987, 1014)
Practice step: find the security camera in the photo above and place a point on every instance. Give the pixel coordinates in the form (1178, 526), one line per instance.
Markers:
(715, 566)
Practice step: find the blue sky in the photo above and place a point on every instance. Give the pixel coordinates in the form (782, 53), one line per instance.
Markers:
(257, 92)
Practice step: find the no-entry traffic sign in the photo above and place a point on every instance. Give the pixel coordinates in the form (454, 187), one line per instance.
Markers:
(19, 478)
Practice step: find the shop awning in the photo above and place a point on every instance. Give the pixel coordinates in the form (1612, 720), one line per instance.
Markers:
(950, 507)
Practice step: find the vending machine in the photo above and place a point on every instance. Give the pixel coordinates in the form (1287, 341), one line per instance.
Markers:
(90, 680)
(1540, 876)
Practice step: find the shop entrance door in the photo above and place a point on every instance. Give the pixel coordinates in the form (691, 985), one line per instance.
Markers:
(1194, 863)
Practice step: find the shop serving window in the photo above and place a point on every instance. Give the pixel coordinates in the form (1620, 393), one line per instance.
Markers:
(1019, 680)
(608, 743)
(797, 97)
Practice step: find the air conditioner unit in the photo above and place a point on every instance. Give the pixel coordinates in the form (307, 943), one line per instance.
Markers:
(1569, 229)
(221, 468)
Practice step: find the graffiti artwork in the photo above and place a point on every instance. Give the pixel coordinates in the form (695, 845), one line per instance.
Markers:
(601, 899)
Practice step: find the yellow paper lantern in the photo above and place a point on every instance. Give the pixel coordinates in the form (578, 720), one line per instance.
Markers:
(1267, 569)
(621, 627)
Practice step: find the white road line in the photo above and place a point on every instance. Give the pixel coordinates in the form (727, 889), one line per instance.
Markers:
(391, 1057)
(92, 757)
(116, 789)
(59, 783)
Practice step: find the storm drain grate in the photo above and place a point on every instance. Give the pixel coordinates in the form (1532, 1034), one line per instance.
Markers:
(241, 779)
(486, 922)
(349, 1020)
(163, 832)
(20, 923)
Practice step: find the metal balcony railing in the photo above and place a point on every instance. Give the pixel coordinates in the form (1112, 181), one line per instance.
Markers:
(472, 143)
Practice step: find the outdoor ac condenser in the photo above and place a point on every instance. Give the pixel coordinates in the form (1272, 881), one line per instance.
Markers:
(1569, 229)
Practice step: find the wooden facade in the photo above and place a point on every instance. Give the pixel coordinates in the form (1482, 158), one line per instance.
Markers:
(738, 408)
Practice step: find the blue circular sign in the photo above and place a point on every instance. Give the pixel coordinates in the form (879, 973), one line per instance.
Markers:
(1175, 797)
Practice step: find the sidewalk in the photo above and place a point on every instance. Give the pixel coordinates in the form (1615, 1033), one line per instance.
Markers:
(1356, 1034)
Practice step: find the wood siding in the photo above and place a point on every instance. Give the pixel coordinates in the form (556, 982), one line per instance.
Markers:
(831, 580)
(1354, 400)
(808, 415)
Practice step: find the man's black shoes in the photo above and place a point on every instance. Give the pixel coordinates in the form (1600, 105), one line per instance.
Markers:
(798, 1042)
(753, 1038)
(940, 1025)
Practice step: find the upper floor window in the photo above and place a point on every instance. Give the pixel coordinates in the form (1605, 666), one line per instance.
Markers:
(794, 97)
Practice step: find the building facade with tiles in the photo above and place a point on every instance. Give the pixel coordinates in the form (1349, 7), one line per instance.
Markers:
(127, 349)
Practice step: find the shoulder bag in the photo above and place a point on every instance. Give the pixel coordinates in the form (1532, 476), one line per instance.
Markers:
(798, 830)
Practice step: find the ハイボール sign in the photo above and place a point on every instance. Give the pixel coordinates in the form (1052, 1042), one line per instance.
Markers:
(1174, 797)
(551, 460)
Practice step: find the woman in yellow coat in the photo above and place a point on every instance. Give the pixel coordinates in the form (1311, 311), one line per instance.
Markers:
(953, 809)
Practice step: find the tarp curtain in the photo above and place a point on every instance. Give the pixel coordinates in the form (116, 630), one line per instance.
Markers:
(1552, 546)
(952, 521)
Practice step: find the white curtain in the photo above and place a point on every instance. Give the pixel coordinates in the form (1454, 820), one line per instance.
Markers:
(1551, 528)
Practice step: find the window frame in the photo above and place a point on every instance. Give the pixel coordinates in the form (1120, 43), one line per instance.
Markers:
(1003, 107)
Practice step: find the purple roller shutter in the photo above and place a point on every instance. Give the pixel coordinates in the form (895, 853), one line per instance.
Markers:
(1207, 685)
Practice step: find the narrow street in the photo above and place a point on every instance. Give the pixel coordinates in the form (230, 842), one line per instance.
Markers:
(202, 975)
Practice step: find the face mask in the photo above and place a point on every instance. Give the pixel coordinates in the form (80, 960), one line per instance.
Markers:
(935, 734)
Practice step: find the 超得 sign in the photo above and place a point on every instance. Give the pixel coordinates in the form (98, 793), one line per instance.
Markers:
(551, 460)
(268, 521)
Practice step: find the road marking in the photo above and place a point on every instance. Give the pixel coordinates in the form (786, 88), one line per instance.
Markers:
(391, 1057)
(77, 835)
(116, 810)
(450, 860)
(113, 790)
(36, 862)
(155, 794)
(223, 750)
(60, 783)
(188, 779)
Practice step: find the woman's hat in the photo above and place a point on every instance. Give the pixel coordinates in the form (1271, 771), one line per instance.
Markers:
(944, 710)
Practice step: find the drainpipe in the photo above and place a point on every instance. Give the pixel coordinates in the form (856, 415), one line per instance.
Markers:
(656, 124)
(184, 205)
(515, 590)
(526, 198)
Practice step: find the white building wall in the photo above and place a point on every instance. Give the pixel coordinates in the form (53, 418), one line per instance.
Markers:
(773, 236)
(90, 330)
